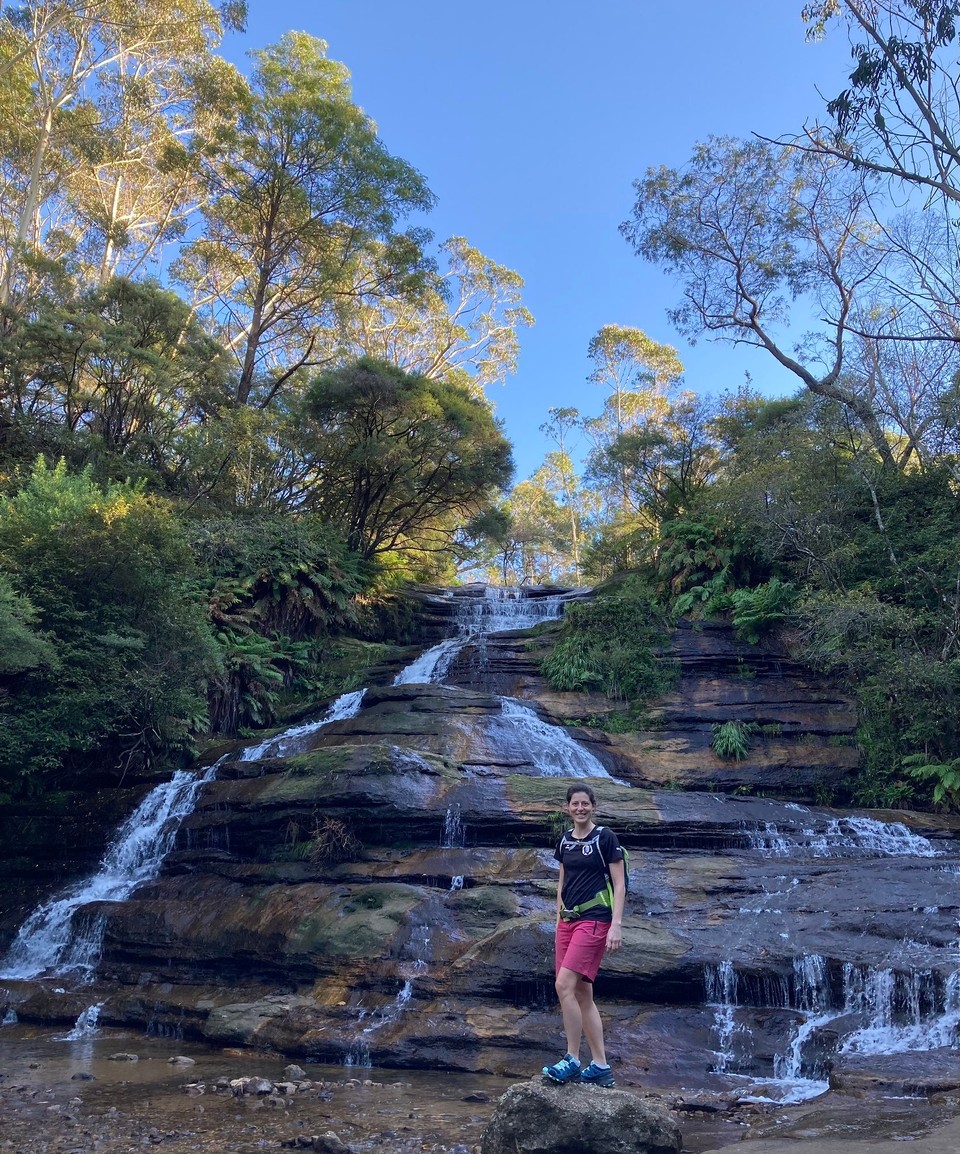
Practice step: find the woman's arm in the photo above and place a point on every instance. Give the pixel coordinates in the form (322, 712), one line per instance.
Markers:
(560, 893)
(615, 933)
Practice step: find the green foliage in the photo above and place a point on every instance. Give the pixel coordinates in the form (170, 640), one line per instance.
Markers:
(403, 460)
(944, 775)
(21, 647)
(125, 649)
(755, 611)
(732, 739)
(698, 561)
(276, 587)
(613, 644)
(559, 822)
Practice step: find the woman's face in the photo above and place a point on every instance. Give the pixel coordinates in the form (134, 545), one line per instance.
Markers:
(580, 807)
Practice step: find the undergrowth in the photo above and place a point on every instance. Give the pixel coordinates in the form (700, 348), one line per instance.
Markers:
(614, 645)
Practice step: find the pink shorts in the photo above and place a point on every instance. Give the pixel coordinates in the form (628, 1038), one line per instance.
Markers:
(579, 946)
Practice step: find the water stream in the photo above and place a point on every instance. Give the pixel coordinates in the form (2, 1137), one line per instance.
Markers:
(54, 939)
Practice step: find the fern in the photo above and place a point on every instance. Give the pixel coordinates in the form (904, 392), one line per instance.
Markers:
(945, 775)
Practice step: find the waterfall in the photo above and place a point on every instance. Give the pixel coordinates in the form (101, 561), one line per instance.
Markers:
(720, 983)
(476, 617)
(86, 1024)
(432, 665)
(840, 837)
(520, 736)
(878, 1011)
(58, 937)
(49, 940)
(290, 741)
(359, 1052)
(453, 832)
(904, 1011)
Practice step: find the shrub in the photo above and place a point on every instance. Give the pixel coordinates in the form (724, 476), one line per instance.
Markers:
(613, 644)
(944, 775)
(121, 650)
(755, 611)
(732, 739)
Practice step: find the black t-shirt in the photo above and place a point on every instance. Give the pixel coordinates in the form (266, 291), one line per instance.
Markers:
(584, 875)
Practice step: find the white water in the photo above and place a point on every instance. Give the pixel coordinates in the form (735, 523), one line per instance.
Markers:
(841, 837)
(453, 831)
(359, 1052)
(47, 941)
(519, 735)
(55, 940)
(291, 740)
(893, 1012)
(86, 1024)
(476, 617)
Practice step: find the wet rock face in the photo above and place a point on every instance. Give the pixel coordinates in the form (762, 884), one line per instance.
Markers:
(544, 1119)
(803, 741)
(387, 893)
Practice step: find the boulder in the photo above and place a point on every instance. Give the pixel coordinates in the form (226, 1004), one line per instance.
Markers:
(540, 1118)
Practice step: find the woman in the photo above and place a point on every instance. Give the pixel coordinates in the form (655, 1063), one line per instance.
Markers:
(588, 923)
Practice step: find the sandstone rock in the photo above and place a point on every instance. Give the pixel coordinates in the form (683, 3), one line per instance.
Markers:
(294, 1073)
(123, 1057)
(182, 1060)
(910, 1074)
(329, 1143)
(540, 1118)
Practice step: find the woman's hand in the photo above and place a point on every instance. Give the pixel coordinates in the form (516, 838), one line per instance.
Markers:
(614, 937)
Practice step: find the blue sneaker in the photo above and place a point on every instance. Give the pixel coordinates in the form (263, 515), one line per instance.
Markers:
(566, 1070)
(595, 1075)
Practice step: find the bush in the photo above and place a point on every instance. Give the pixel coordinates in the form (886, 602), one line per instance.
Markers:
(944, 775)
(613, 644)
(732, 739)
(755, 611)
(105, 583)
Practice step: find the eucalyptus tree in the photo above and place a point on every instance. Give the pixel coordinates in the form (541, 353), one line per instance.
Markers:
(559, 475)
(637, 373)
(104, 100)
(627, 361)
(758, 234)
(463, 320)
(119, 377)
(300, 192)
(900, 115)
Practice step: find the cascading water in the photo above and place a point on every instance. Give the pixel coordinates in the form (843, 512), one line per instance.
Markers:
(58, 938)
(86, 1025)
(52, 939)
(291, 740)
(453, 831)
(520, 736)
(840, 837)
(875, 1011)
(475, 618)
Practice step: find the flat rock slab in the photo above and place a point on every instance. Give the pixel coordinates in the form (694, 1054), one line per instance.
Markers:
(538, 1117)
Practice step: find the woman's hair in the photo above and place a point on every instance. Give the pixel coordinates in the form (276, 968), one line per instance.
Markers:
(581, 789)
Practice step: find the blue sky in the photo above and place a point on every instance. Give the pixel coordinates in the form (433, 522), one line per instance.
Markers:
(531, 118)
